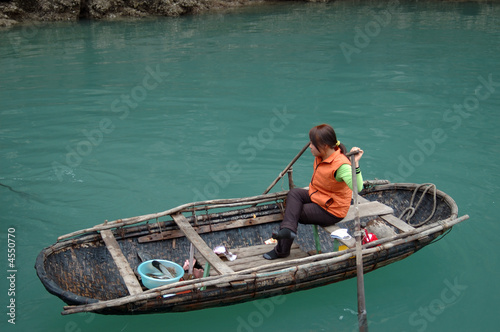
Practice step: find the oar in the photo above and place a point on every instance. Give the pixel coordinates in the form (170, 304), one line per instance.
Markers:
(287, 168)
(362, 322)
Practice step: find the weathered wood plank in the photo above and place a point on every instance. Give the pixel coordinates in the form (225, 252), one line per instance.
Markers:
(391, 219)
(255, 250)
(250, 257)
(368, 209)
(361, 199)
(202, 247)
(259, 260)
(121, 262)
(255, 253)
(398, 223)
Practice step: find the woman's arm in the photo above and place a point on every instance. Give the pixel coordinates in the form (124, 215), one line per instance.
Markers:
(344, 173)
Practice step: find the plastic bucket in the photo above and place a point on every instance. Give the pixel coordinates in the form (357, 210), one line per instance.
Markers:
(147, 267)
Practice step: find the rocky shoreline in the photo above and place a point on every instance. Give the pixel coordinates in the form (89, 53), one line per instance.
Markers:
(13, 12)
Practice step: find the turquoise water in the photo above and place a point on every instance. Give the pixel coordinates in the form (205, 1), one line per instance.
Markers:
(106, 120)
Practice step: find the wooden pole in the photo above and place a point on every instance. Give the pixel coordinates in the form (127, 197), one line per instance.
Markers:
(287, 168)
(362, 321)
(191, 259)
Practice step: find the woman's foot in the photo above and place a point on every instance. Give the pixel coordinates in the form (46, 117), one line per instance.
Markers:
(274, 255)
(271, 255)
(284, 233)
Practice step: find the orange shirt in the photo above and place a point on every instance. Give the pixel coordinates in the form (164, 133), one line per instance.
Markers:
(324, 190)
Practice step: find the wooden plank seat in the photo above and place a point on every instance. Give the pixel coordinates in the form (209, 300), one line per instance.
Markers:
(366, 209)
(249, 257)
(391, 218)
(121, 262)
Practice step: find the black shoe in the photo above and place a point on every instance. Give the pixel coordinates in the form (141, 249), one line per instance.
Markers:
(284, 233)
(274, 255)
(271, 255)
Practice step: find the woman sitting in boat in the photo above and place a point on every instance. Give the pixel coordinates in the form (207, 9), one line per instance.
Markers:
(330, 191)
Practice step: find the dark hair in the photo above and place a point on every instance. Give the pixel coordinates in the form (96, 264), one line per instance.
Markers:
(325, 135)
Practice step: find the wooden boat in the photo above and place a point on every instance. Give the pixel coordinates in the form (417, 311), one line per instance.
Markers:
(95, 269)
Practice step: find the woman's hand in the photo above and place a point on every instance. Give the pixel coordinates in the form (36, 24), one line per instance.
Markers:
(358, 156)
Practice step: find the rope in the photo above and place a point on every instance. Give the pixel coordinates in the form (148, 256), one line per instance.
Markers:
(441, 237)
(23, 194)
(281, 207)
(159, 227)
(410, 211)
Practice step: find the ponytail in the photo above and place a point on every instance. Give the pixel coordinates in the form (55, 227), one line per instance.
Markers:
(341, 147)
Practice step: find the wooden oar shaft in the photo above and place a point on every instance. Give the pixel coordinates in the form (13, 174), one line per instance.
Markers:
(352, 153)
(287, 168)
(362, 322)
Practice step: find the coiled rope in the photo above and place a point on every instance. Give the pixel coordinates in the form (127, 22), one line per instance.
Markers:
(409, 212)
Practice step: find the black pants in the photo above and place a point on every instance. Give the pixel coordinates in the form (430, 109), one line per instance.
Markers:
(300, 208)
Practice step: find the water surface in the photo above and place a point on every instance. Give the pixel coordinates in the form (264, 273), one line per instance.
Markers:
(106, 120)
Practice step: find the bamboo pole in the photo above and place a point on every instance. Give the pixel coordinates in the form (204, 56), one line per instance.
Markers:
(287, 168)
(191, 259)
(362, 321)
(209, 204)
(327, 258)
(146, 295)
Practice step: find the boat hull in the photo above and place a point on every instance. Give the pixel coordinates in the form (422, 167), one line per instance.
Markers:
(81, 271)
